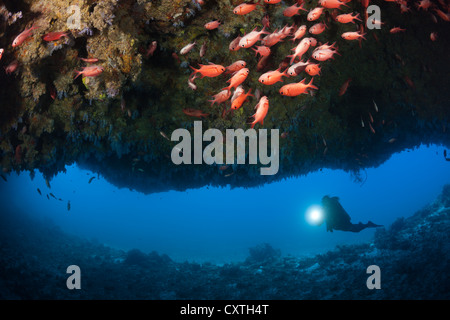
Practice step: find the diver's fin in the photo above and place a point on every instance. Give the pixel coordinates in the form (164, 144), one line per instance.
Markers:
(370, 224)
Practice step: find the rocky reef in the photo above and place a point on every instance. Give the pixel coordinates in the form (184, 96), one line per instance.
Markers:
(115, 123)
(413, 255)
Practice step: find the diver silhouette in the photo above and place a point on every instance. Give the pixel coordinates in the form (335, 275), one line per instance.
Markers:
(337, 218)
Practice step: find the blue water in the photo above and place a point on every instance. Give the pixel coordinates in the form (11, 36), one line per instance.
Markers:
(220, 224)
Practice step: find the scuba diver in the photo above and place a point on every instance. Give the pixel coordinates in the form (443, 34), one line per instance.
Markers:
(337, 218)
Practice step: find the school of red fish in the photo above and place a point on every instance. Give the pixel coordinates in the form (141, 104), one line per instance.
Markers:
(298, 64)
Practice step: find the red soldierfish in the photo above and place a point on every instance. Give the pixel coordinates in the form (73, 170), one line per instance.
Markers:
(301, 31)
(53, 36)
(332, 4)
(266, 21)
(262, 50)
(222, 96)
(295, 69)
(89, 60)
(293, 10)
(234, 45)
(397, 30)
(261, 111)
(236, 66)
(313, 69)
(324, 54)
(318, 28)
(315, 14)
(237, 103)
(212, 25)
(210, 70)
(300, 50)
(195, 113)
(353, 35)
(295, 89)
(272, 77)
(1, 53)
(151, 49)
(187, 48)
(245, 8)
(91, 71)
(23, 36)
(250, 39)
(237, 79)
(346, 18)
(12, 67)
(203, 50)
(344, 87)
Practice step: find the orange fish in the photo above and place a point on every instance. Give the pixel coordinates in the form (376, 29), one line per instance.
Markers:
(12, 67)
(262, 63)
(315, 14)
(236, 66)
(313, 69)
(318, 28)
(442, 15)
(237, 79)
(23, 36)
(245, 8)
(151, 49)
(251, 38)
(353, 35)
(344, 87)
(261, 111)
(272, 77)
(397, 30)
(346, 18)
(265, 21)
(222, 96)
(237, 103)
(91, 71)
(272, 39)
(300, 49)
(1, 53)
(293, 10)
(234, 45)
(272, 1)
(195, 113)
(409, 82)
(295, 69)
(53, 36)
(332, 4)
(211, 70)
(433, 36)
(262, 50)
(424, 4)
(237, 92)
(187, 48)
(53, 92)
(89, 60)
(300, 33)
(295, 89)
(324, 54)
(212, 25)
